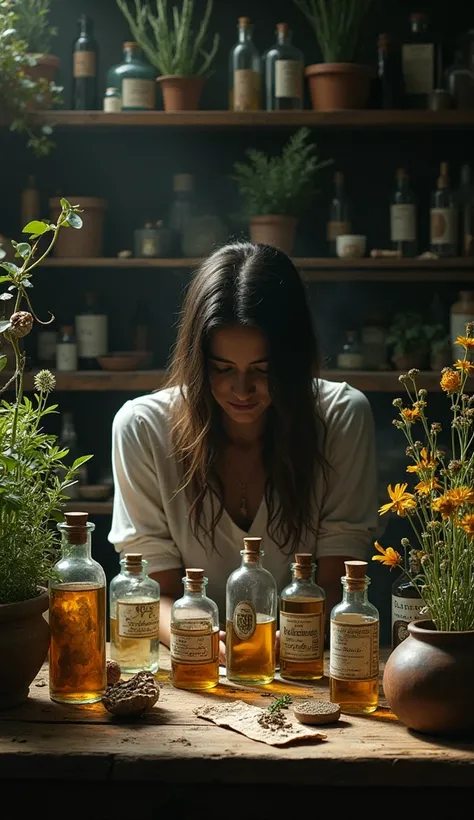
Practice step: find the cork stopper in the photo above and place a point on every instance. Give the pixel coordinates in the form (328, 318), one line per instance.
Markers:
(338, 177)
(252, 547)
(303, 566)
(401, 173)
(133, 561)
(244, 22)
(355, 574)
(194, 578)
(283, 28)
(76, 527)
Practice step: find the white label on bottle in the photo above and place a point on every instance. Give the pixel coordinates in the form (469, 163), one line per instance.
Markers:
(47, 340)
(246, 89)
(350, 361)
(458, 328)
(112, 104)
(138, 619)
(406, 609)
(138, 93)
(418, 67)
(149, 246)
(244, 620)
(403, 223)
(84, 64)
(91, 334)
(289, 79)
(444, 226)
(66, 356)
(301, 636)
(354, 653)
(189, 648)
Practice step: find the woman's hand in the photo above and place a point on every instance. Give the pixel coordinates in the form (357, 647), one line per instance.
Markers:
(222, 655)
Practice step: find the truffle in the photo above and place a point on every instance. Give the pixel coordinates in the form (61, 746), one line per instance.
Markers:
(113, 672)
(132, 697)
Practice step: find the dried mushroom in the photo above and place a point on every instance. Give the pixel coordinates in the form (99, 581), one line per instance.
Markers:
(113, 672)
(132, 697)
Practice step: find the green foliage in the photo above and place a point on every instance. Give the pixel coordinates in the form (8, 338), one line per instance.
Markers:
(280, 185)
(33, 471)
(408, 333)
(176, 48)
(33, 26)
(338, 25)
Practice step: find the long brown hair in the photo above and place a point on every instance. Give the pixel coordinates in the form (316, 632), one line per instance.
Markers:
(256, 286)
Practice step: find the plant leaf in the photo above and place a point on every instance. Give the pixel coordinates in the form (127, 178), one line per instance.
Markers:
(79, 461)
(74, 220)
(65, 203)
(3, 364)
(23, 249)
(6, 296)
(5, 325)
(5, 279)
(36, 227)
(10, 267)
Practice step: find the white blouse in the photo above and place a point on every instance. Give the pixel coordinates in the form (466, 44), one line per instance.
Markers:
(148, 517)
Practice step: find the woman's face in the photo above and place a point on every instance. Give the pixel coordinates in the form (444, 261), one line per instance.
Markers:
(238, 373)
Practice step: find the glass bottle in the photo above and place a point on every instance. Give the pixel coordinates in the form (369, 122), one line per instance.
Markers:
(182, 209)
(389, 83)
(354, 645)
(443, 216)
(350, 356)
(194, 633)
(30, 202)
(283, 69)
(66, 349)
(135, 80)
(244, 71)
(134, 607)
(420, 61)
(466, 208)
(146, 241)
(403, 216)
(77, 617)
(84, 67)
(112, 100)
(461, 312)
(142, 326)
(407, 602)
(459, 81)
(47, 339)
(68, 441)
(91, 332)
(251, 611)
(339, 221)
(302, 605)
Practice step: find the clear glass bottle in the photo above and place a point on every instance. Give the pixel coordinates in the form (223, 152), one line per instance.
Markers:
(135, 80)
(91, 332)
(403, 216)
(134, 607)
(77, 617)
(194, 644)
(459, 80)
(66, 349)
(112, 103)
(84, 67)
(146, 241)
(350, 356)
(339, 221)
(420, 62)
(244, 70)
(302, 605)
(283, 70)
(182, 209)
(354, 645)
(251, 611)
(444, 216)
(407, 602)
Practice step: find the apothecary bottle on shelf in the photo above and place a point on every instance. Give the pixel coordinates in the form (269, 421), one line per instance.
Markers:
(444, 216)
(339, 221)
(194, 644)
(350, 356)
(354, 645)
(421, 56)
(135, 79)
(407, 602)
(66, 349)
(244, 70)
(91, 332)
(84, 67)
(403, 215)
(134, 606)
(112, 103)
(302, 623)
(283, 71)
(251, 611)
(77, 617)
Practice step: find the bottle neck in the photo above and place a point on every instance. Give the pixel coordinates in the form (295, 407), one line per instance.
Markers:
(284, 37)
(85, 27)
(245, 34)
(139, 574)
(354, 596)
(252, 561)
(419, 26)
(306, 577)
(76, 551)
(194, 589)
(130, 53)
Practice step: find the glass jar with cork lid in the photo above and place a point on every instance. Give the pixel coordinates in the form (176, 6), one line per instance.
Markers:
(134, 606)
(194, 634)
(302, 623)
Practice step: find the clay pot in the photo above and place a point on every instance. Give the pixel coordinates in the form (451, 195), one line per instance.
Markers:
(47, 66)
(274, 230)
(88, 242)
(181, 93)
(338, 86)
(406, 361)
(427, 680)
(24, 644)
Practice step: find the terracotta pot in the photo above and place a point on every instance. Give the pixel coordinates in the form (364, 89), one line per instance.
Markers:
(88, 242)
(274, 230)
(428, 680)
(181, 93)
(405, 361)
(47, 66)
(24, 644)
(338, 86)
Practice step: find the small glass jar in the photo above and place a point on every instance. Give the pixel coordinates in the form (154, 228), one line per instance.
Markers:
(146, 241)
(112, 100)
(350, 356)
(194, 636)
(302, 623)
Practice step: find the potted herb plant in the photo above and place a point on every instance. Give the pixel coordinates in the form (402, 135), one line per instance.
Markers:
(276, 189)
(33, 476)
(339, 81)
(410, 338)
(32, 25)
(177, 50)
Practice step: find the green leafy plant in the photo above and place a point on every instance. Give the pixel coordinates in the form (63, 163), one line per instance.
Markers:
(33, 24)
(339, 26)
(282, 184)
(408, 333)
(33, 471)
(176, 49)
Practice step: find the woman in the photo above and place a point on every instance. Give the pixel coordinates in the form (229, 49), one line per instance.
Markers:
(246, 440)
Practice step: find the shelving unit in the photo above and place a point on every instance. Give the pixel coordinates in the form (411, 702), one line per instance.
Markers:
(91, 507)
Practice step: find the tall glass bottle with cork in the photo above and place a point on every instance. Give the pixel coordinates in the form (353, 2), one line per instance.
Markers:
(302, 623)
(194, 633)
(244, 70)
(134, 609)
(77, 617)
(354, 645)
(251, 611)
(283, 71)
(339, 221)
(403, 216)
(443, 216)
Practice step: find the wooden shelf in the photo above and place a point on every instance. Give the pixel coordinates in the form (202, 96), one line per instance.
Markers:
(91, 507)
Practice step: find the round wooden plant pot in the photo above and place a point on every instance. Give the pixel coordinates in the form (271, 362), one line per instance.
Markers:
(181, 93)
(338, 86)
(24, 644)
(275, 230)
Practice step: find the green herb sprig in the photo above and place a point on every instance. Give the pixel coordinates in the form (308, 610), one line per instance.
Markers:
(280, 703)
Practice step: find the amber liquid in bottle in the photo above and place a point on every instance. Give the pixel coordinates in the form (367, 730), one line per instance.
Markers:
(192, 674)
(252, 660)
(77, 650)
(355, 696)
(301, 669)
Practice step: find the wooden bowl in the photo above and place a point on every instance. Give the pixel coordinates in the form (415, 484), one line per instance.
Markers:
(120, 361)
(95, 492)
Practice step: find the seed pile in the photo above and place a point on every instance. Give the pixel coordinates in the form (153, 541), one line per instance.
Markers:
(316, 711)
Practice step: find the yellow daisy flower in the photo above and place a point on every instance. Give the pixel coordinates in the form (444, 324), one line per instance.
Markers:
(467, 524)
(401, 500)
(450, 381)
(410, 415)
(466, 342)
(426, 487)
(426, 462)
(389, 557)
(464, 367)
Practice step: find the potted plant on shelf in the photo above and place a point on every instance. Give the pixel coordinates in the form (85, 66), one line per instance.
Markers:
(410, 338)
(428, 677)
(33, 476)
(32, 25)
(176, 50)
(276, 190)
(339, 81)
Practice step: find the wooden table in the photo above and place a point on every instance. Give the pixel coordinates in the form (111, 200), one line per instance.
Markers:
(84, 763)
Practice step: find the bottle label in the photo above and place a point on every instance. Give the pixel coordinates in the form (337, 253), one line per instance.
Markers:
(354, 651)
(138, 620)
(403, 223)
(244, 620)
(444, 225)
(350, 361)
(84, 64)
(418, 67)
(138, 93)
(246, 89)
(289, 79)
(187, 647)
(112, 104)
(149, 246)
(458, 328)
(335, 228)
(66, 356)
(404, 610)
(91, 334)
(301, 636)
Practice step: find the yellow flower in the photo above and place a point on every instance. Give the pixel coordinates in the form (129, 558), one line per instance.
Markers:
(450, 381)
(410, 415)
(401, 500)
(464, 367)
(467, 524)
(466, 342)
(389, 557)
(427, 462)
(462, 495)
(449, 503)
(426, 487)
